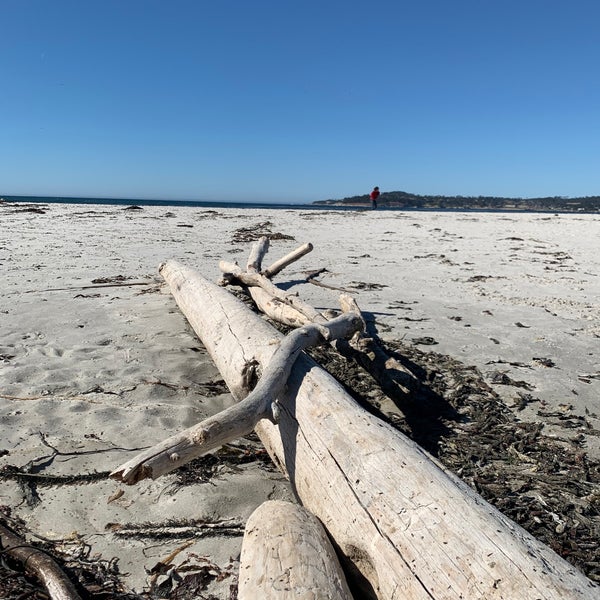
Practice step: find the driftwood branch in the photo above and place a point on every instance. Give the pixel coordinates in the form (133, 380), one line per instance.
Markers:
(241, 418)
(276, 308)
(256, 255)
(39, 564)
(395, 380)
(257, 280)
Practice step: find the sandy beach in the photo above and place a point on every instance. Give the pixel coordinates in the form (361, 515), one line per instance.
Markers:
(97, 362)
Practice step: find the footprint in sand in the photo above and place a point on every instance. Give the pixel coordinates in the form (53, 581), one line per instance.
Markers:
(52, 351)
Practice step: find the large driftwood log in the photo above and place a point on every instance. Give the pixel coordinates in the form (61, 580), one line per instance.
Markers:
(286, 555)
(39, 564)
(410, 528)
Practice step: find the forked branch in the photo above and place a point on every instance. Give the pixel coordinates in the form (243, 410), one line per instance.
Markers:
(239, 419)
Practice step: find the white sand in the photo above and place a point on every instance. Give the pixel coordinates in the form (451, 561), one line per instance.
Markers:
(85, 368)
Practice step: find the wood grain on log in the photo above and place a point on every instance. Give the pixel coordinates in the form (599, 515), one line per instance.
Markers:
(286, 555)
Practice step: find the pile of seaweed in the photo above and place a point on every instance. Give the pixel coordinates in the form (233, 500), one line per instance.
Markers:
(550, 487)
(98, 579)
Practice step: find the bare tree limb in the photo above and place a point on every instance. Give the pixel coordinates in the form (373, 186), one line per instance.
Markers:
(239, 419)
(255, 279)
(288, 259)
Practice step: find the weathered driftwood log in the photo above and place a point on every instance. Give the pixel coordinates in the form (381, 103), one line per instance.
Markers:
(410, 528)
(239, 419)
(286, 555)
(39, 564)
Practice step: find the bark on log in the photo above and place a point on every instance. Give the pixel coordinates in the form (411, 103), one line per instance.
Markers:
(286, 555)
(39, 564)
(412, 529)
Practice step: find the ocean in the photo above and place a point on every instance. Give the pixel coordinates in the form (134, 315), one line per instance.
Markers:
(196, 203)
(268, 205)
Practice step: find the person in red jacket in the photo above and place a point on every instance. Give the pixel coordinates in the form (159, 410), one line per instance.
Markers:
(374, 195)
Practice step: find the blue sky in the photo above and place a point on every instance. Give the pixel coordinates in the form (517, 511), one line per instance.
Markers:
(239, 100)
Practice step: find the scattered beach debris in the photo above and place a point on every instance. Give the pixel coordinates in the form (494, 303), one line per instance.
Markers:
(544, 362)
(114, 279)
(255, 232)
(362, 285)
(199, 299)
(501, 378)
(176, 529)
(425, 341)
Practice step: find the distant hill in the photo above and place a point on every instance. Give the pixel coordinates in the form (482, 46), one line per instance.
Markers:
(588, 204)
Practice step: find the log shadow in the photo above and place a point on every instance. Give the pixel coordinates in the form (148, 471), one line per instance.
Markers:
(424, 415)
(287, 285)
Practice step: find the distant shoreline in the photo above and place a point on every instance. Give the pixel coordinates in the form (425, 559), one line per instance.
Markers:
(407, 201)
(418, 204)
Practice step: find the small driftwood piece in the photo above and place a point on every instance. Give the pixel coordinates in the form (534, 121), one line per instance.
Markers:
(286, 555)
(406, 525)
(241, 418)
(39, 564)
(288, 259)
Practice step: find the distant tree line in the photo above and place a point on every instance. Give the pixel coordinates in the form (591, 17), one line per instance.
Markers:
(415, 201)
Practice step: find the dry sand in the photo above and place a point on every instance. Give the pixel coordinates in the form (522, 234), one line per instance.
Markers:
(97, 362)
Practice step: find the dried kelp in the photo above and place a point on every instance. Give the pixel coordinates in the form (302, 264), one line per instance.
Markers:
(550, 488)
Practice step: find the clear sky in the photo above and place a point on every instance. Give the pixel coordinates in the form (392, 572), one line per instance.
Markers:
(296, 101)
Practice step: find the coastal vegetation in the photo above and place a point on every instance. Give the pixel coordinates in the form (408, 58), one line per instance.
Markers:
(407, 200)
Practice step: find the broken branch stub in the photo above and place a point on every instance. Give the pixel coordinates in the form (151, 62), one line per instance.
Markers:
(259, 249)
(288, 259)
